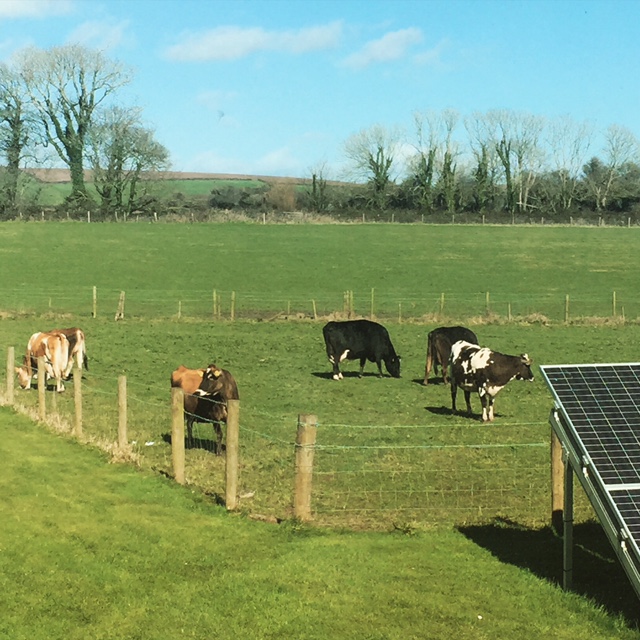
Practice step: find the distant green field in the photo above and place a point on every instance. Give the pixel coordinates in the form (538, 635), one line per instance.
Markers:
(388, 450)
(407, 271)
(50, 194)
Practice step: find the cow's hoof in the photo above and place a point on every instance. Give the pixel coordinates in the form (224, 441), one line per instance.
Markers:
(336, 376)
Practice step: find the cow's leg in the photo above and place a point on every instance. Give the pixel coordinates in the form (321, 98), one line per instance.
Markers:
(428, 364)
(190, 430)
(336, 368)
(454, 393)
(467, 399)
(379, 363)
(485, 400)
(363, 362)
(491, 400)
(218, 429)
(444, 367)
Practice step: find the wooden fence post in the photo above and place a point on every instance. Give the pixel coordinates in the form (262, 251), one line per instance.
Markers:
(233, 306)
(231, 460)
(77, 400)
(177, 433)
(11, 363)
(94, 313)
(42, 387)
(566, 308)
(372, 298)
(305, 447)
(122, 411)
(557, 483)
(120, 311)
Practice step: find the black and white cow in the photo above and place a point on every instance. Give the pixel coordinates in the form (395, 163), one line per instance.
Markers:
(363, 340)
(439, 343)
(475, 368)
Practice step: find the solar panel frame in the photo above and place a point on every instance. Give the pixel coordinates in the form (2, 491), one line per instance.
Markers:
(596, 416)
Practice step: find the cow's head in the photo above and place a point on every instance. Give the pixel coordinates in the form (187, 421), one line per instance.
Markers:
(24, 377)
(524, 373)
(211, 379)
(393, 365)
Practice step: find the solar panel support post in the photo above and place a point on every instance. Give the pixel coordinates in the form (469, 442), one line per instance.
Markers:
(557, 481)
(567, 532)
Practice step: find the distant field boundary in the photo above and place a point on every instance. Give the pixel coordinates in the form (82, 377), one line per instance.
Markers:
(62, 176)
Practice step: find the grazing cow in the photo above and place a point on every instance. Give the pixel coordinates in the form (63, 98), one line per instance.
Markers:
(360, 339)
(206, 392)
(54, 347)
(77, 349)
(439, 343)
(474, 368)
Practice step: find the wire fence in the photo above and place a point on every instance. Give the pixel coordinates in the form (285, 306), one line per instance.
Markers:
(369, 476)
(224, 305)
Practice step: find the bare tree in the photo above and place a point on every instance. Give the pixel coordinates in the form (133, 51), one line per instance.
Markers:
(66, 85)
(120, 150)
(569, 142)
(620, 147)
(372, 153)
(483, 148)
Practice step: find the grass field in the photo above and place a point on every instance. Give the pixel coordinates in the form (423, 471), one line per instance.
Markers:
(93, 550)
(390, 454)
(389, 451)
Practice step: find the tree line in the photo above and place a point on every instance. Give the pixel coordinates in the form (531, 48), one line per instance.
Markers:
(61, 105)
(497, 162)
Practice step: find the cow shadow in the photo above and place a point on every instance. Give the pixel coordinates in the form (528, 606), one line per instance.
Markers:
(597, 574)
(195, 443)
(446, 411)
(328, 375)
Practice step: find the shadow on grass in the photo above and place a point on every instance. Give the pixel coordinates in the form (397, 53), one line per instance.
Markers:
(195, 443)
(597, 574)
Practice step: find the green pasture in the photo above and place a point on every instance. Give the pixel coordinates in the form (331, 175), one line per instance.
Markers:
(96, 550)
(422, 272)
(389, 451)
(86, 547)
(52, 194)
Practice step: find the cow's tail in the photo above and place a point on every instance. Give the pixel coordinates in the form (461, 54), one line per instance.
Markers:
(429, 363)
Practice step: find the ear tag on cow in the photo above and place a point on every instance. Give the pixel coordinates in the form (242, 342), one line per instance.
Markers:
(217, 373)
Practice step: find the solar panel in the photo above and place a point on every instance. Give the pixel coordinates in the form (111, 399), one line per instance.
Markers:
(597, 419)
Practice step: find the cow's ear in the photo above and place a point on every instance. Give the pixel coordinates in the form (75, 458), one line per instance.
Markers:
(217, 373)
(526, 359)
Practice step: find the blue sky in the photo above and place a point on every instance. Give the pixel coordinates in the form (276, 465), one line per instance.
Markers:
(275, 87)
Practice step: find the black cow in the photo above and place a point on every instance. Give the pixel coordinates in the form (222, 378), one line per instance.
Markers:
(360, 339)
(474, 368)
(439, 343)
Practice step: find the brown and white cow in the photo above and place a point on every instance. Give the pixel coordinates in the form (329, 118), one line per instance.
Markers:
(475, 368)
(439, 343)
(206, 392)
(54, 347)
(77, 349)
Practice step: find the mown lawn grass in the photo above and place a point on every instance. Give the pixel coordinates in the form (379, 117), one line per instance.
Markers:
(92, 550)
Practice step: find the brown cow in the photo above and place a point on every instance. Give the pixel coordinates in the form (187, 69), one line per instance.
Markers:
(439, 343)
(77, 349)
(54, 347)
(206, 392)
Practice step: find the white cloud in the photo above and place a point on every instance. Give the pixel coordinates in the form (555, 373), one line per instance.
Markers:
(432, 57)
(232, 43)
(392, 46)
(105, 35)
(280, 162)
(34, 8)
